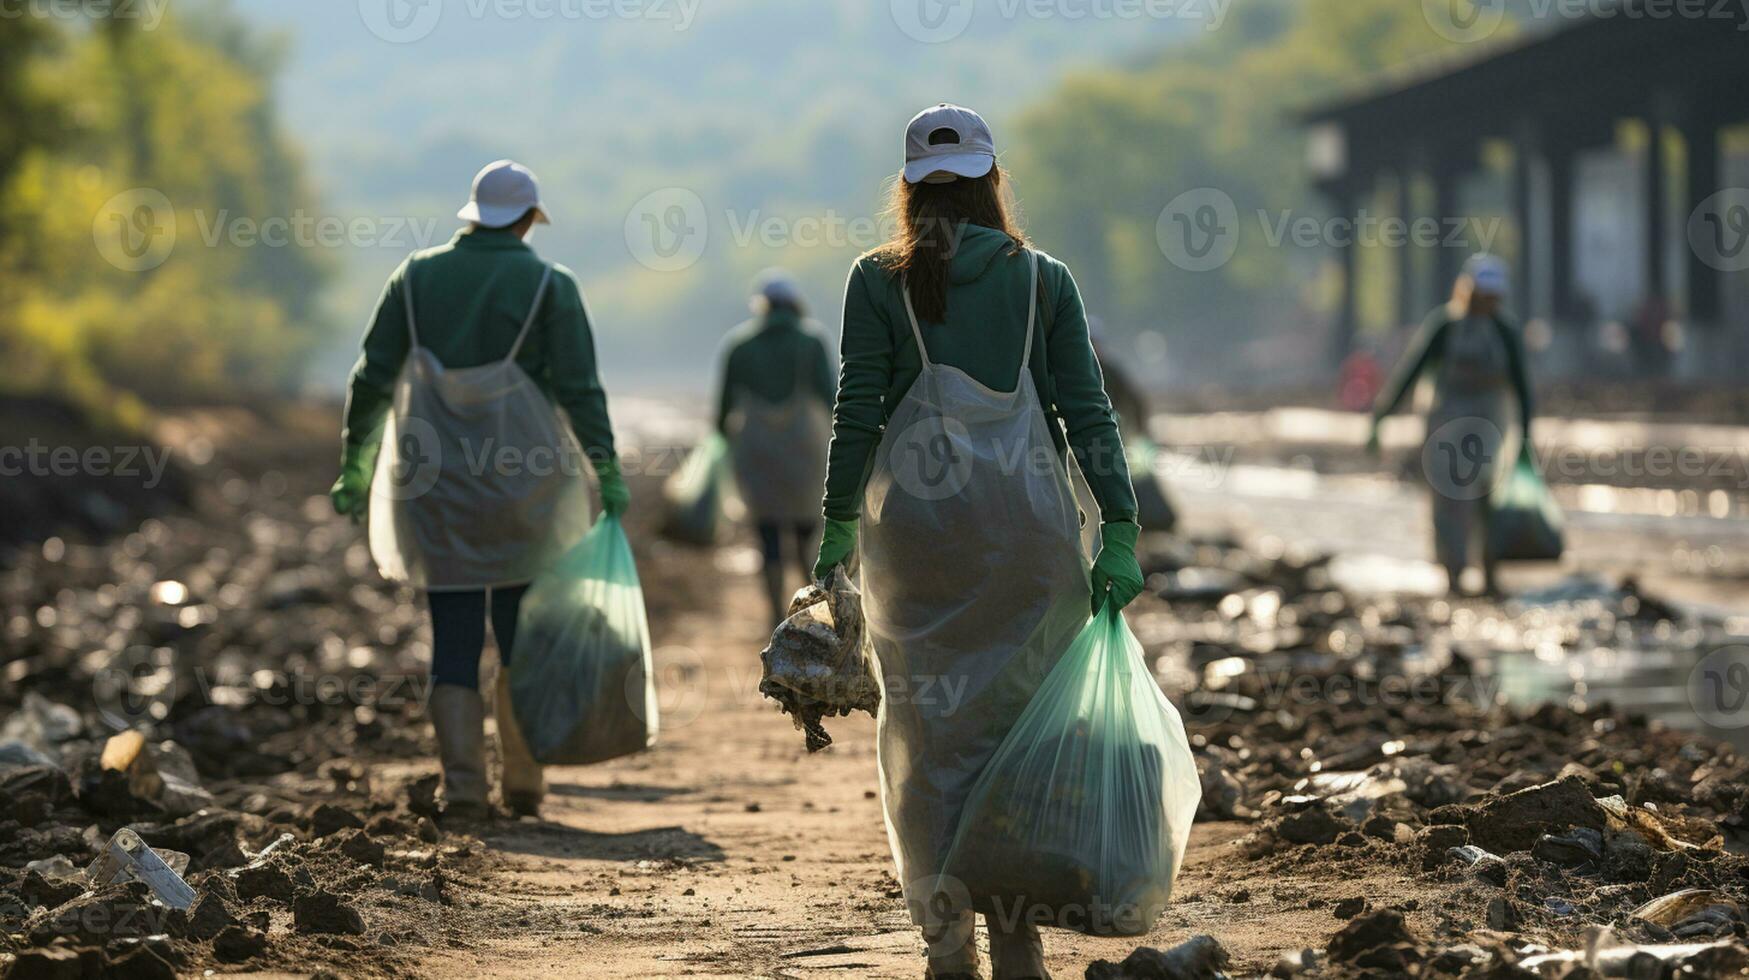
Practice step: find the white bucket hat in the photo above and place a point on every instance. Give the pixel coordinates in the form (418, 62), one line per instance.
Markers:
(946, 142)
(503, 193)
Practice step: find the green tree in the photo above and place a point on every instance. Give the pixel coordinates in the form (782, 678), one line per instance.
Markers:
(183, 111)
(1099, 160)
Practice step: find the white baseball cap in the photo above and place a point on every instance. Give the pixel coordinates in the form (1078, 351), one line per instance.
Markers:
(946, 142)
(503, 193)
(1488, 275)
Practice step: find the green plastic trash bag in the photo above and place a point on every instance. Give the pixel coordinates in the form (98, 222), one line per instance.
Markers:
(580, 677)
(1525, 523)
(1081, 819)
(1154, 511)
(693, 496)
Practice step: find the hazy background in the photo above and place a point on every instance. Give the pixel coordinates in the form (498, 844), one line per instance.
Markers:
(683, 146)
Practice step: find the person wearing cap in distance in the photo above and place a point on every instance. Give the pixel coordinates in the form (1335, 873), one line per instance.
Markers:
(773, 404)
(1477, 361)
(473, 347)
(967, 376)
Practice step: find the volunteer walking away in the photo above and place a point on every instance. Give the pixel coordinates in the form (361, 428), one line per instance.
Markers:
(774, 403)
(474, 348)
(1476, 359)
(967, 376)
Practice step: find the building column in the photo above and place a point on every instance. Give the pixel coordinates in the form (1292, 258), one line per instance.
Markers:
(1702, 139)
(1526, 148)
(1448, 260)
(1657, 283)
(1561, 192)
(1348, 256)
(1409, 296)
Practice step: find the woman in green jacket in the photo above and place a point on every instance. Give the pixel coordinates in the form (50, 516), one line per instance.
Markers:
(967, 376)
(772, 407)
(1478, 365)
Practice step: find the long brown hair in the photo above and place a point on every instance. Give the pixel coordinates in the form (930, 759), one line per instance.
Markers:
(932, 221)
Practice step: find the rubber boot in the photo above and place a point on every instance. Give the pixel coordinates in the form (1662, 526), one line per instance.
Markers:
(952, 940)
(1017, 953)
(521, 780)
(459, 716)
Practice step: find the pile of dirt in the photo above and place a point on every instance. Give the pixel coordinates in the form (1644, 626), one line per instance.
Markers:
(1364, 733)
(221, 684)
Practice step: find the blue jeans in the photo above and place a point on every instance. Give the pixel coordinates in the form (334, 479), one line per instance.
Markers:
(458, 631)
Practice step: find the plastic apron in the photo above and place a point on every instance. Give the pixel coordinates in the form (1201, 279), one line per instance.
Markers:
(480, 481)
(974, 586)
(779, 452)
(1471, 440)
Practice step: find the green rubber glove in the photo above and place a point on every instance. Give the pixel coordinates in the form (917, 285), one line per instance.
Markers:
(1117, 576)
(351, 492)
(837, 544)
(615, 498)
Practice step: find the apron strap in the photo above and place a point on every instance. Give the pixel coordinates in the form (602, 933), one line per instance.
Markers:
(1031, 317)
(1031, 314)
(911, 315)
(540, 293)
(407, 301)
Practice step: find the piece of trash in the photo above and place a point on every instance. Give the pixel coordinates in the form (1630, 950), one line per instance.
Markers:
(16, 754)
(1652, 960)
(1197, 958)
(266, 852)
(59, 866)
(41, 723)
(127, 857)
(162, 774)
(819, 664)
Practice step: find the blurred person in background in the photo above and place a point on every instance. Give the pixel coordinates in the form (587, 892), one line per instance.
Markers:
(474, 346)
(1476, 359)
(774, 404)
(965, 357)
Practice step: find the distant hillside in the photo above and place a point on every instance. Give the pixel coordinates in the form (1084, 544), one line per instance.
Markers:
(765, 109)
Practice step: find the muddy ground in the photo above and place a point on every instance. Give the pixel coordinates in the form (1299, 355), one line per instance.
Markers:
(1365, 796)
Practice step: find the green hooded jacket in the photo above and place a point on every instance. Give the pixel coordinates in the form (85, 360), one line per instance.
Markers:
(471, 296)
(768, 357)
(986, 312)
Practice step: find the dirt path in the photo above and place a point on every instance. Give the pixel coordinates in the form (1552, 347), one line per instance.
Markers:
(729, 852)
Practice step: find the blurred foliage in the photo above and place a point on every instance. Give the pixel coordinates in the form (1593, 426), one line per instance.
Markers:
(102, 108)
(1098, 161)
